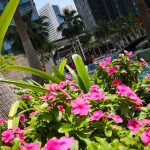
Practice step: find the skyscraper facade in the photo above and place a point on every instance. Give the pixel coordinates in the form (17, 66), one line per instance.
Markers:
(85, 11)
(95, 10)
(24, 7)
(52, 19)
(57, 12)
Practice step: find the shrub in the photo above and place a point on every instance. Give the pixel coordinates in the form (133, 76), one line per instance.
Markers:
(112, 114)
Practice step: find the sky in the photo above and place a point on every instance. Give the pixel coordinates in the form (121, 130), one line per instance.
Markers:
(61, 3)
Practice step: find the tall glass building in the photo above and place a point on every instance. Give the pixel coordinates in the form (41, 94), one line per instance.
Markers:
(52, 13)
(24, 7)
(103, 10)
(58, 13)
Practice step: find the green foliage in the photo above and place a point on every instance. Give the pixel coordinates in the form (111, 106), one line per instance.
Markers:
(13, 121)
(60, 111)
(58, 74)
(120, 28)
(38, 32)
(72, 72)
(72, 24)
(42, 74)
(62, 66)
(83, 77)
(25, 85)
(6, 18)
(6, 61)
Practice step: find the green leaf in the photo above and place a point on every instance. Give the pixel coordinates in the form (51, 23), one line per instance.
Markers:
(23, 84)
(62, 66)
(92, 146)
(72, 72)
(65, 128)
(13, 121)
(108, 132)
(58, 74)
(44, 105)
(81, 122)
(5, 148)
(82, 71)
(125, 109)
(102, 143)
(6, 17)
(57, 114)
(75, 145)
(45, 117)
(81, 85)
(16, 144)
(40, 73)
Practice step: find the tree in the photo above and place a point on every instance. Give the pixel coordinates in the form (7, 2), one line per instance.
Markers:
(27, 44)
(72, 26)
(38, 33)
(101, 31)
(145, 17)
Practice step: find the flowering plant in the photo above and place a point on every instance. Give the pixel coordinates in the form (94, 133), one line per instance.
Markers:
(113, 113)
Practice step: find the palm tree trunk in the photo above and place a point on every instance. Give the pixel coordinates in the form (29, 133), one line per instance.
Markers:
(27, 44)
(7, 98)
(145, 17)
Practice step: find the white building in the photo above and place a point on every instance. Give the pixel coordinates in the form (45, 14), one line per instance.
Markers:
(47, 10)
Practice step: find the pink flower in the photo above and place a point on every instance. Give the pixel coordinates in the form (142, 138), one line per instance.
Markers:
(134, 125)
(51, 87)
(62, 84)
(145, 137)
(95, 96)
(129, 53)
(26, 96)
(97, 115)
(22, 118)
(61, 108)
(117, 119)
(7, 136)
(70, 82)
(94, 88)
(50, 96)
(34, 113)
(80, 107)
(148, 76)
(73, 88)
(144, 62)
(145, 122)
(68, 76)
(32, 146)
(112, 70)
(19, 133)
(2, 120)
(116, 82)
(148, 87)
(64, 143)
(105, 62)
(124, 90)
(148, 105)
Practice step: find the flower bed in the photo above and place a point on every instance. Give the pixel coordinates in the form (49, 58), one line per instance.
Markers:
(113, 114)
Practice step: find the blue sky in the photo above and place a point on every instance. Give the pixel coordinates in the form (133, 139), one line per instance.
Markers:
(61, 3)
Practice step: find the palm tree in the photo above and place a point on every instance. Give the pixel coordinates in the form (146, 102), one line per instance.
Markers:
(145, 17)
(72, 26)
(38, 32)
(27, 44)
